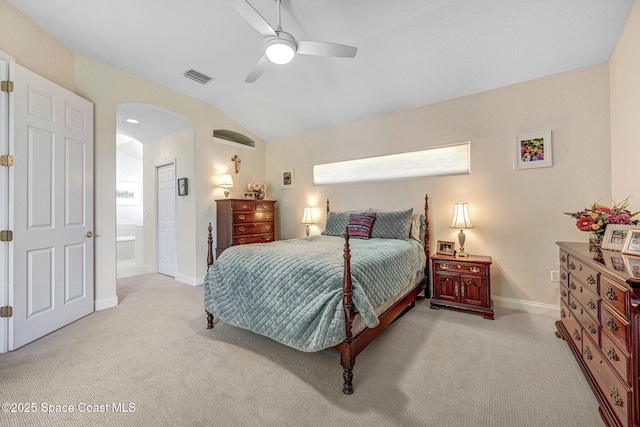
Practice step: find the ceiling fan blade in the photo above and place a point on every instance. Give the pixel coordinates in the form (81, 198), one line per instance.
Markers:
(325, 49)
(260, 67)
(252, 16)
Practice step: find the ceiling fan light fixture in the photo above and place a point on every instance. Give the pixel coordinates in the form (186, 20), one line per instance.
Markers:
(281, 49)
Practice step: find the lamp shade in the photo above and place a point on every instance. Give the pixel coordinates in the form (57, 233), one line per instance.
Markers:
(281, 49)
(461, 216)
(226, 181)
(306, 217)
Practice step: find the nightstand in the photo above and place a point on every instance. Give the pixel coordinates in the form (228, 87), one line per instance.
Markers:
(462, 283)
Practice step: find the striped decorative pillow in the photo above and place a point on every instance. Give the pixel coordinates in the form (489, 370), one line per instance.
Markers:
(360, 225)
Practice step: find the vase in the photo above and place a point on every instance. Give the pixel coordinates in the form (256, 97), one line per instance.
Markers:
(595, 241)
(259, 194)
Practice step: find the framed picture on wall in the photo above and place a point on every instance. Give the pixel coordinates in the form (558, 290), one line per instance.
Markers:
(533, 150)
(287, 178)
(183, 186)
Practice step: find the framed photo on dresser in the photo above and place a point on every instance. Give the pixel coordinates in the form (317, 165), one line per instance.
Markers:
(615, 235)
(632, 243)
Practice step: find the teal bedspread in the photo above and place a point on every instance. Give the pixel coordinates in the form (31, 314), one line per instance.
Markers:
(291, 290)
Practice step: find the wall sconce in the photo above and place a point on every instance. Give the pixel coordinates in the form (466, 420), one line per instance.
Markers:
(226, 182)
(462, 222)
(307, 218)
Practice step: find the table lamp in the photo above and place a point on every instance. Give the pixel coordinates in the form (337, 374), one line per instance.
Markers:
(306, 218)
(462, 222)
(226, 182)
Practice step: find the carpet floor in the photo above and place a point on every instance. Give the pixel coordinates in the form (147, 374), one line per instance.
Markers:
(150, 361)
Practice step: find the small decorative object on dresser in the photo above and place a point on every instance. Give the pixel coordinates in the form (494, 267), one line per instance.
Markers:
(242, 221)
(258, 189)
(463, 284)
(446, 248)
(632, 243)
(600, 321)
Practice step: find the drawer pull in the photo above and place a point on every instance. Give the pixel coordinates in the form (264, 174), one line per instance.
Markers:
(265, 207)
(458, 266)
(564, 276)
(444, 266)
(576, 335)
(245, 206)
(580, 289)
(572, 286)
(268, 238)
(591, 280)
(617, 400)
(611, 354)
(241, 228)
(241, 241)
(572, 266)
(241, 216)
(562, 313)
(611, 324)
(563, 258)
(564, 293)
(267, 227)
(475, 270)
(267, 216)
(587, 353)
(611, 295)
(573, 305)
(591, 328)
(591, 304)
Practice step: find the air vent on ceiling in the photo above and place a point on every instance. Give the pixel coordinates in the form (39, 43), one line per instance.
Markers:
(198, 77)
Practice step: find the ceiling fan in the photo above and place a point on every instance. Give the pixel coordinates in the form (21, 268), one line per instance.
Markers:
(280, 47)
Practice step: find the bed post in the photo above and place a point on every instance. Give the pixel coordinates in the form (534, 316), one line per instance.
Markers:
(427, 281)
(209, 263)
(327, 205)
(347, 357)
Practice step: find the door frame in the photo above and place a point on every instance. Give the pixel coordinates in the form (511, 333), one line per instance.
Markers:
(7, 63)
(157, 222)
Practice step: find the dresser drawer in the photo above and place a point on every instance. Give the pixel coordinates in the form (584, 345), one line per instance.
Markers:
(243, 206)
(571, 325)
(253, 228)
(564, 276)
(263, 206)
(242, 217)
(617, 326)
(619, 358)
(615, 294)
(616, 393)
(255, 238)
(590, 302)
(589, 324)
(584, 273)
(453, 267)
(564, 294)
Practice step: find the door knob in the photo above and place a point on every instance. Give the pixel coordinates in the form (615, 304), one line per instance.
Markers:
(89, 234)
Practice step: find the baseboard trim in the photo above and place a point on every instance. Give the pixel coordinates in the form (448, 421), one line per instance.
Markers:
(548, 310)
(105, 303)
(189, 280)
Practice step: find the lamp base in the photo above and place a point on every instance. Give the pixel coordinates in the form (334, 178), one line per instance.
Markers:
(307, 230)
(226, 193)
(462, 254)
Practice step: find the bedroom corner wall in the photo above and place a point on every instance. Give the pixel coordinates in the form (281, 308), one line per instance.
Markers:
(624, 68)
(517, 213)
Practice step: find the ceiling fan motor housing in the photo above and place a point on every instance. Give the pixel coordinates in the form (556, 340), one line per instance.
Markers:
(280, 49)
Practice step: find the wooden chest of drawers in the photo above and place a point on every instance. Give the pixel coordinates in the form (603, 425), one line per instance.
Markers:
(600, 320)
(240, 222)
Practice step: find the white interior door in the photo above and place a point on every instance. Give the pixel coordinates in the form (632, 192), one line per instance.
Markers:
(166, 207)
(52, 209)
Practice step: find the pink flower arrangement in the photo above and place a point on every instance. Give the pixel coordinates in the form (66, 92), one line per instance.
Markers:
(596, 218)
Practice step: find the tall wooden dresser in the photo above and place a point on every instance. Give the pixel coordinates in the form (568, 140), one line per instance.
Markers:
(242, 221)
(600, 321)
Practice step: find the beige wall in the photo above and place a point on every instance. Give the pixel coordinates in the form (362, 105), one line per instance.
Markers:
(624, 68)
(34, 48)
(517, 213)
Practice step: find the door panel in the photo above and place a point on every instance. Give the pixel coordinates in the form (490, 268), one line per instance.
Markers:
(166, 200)
(52, 209)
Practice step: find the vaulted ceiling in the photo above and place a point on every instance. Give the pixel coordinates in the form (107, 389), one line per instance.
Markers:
(410, 52)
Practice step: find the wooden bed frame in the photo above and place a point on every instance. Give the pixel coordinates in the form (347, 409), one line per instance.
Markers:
(354, 344)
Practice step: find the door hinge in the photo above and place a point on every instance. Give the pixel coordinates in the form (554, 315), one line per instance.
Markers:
(6, 160)
(6, 236)
(6, 311)
(6, 86)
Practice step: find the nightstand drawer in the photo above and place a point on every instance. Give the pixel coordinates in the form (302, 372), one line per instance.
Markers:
(262, 206)
(453, 267)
